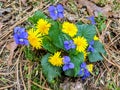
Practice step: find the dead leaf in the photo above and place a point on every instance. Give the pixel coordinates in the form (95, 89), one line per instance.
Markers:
(2, 0)
(24, 2)
(95, 1)
(11, 46)
(94, 9)
(71, 85)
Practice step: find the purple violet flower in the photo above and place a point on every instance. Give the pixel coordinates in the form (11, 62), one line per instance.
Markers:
(69, 45)
(56, 12)
(67, 64)
(91, 42)
(20, 36)
(90, 47)
(83, 65)
(84, 73)
(92, 19)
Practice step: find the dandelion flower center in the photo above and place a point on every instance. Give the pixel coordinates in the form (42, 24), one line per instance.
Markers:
(43, 26)
(81, 43)
(69, 28)
(34, 37)
(56, 60)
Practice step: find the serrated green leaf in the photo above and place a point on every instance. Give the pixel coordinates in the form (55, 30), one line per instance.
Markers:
(47, 44)
(37, 15)
(56, 35)
(87, 31)
(98, 50)
(99, 47)
(48, 70)
(76, 60)
(95, 56)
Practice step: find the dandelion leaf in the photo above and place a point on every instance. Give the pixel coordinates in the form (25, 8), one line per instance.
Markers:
(87, 31)
(37, 15)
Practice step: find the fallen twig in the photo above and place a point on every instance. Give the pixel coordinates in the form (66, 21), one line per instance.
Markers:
(41, 87)
(6, 87)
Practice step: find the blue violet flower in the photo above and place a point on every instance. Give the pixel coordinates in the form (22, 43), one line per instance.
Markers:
(69, 45)
(90, 47)
(92, 19)
(67, 64)
(84, 73)
(56, 12)
(20, 36)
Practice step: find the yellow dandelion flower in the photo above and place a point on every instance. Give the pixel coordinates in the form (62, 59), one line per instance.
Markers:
(56, 60)
(69, 28)
(81, 43)
(90, 68)
(34, 38)
(43, 26)
(96, 38)
(85, 55)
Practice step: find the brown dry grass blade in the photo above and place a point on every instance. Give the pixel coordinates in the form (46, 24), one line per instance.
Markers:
(24, 2)
(1, 25)
(11, 46)
(94, 9)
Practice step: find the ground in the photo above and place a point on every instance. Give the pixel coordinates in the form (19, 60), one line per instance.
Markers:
(17, 73)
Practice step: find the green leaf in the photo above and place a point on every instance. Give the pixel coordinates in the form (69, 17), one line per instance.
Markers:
(95, 56)
(37, 15)
(70, 72)
(47, 44)
(56, 35)
(48, 70)
(98, 50)
(76, 60)
(87, 31)
(99, 47)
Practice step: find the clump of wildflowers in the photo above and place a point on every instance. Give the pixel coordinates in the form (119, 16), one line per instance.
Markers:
(56, 12)
(67, 64)
(20, 36)
(69, 44)
(66, 45)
